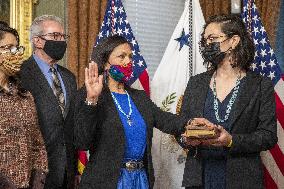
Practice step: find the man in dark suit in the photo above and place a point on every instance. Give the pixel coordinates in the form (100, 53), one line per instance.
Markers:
(53, 88)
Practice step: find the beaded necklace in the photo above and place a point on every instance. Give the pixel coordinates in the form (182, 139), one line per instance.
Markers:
(128, 116)
(231, 101)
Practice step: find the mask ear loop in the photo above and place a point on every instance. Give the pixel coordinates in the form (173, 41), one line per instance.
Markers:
(229, 50)
(105, 76)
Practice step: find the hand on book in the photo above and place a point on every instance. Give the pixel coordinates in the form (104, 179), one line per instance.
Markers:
(200, 122)
(201, 128)
(197, 130)
(224, 138)
(200, 131)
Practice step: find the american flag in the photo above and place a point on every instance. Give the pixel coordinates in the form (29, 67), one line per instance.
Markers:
(115, 22)
(266, 64)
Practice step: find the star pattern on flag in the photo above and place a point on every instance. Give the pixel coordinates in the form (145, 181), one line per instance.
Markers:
(115, 22)
(183, 39)
(265, 61)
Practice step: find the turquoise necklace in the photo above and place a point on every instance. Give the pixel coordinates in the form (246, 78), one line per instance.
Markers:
(231, 101)
(128, 116)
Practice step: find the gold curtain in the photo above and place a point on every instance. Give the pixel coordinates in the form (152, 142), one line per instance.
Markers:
(84, 20)
(269, 11)
(215, 7)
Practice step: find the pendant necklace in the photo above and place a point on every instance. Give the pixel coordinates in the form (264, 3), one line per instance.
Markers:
(128, 116)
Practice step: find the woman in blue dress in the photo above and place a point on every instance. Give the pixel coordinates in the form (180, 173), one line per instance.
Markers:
(117, 122)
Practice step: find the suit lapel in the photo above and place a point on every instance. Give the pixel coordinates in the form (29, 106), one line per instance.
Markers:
(140, 105)
(43, 84)
(38, 76)
(112, 111)
(245, 94)
(200, 94)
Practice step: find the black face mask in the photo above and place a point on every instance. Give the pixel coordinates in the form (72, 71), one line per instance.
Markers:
(55, 49)
(212, 53)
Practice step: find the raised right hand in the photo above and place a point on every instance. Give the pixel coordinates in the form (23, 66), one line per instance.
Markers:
(93, 82)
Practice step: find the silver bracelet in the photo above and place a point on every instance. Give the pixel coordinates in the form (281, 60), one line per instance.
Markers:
(182, 140)
(91, 103)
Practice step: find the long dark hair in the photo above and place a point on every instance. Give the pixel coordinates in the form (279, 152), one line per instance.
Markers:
(102, 51)
(5, 28)
(243, 54)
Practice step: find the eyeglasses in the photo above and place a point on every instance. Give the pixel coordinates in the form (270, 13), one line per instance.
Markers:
(56, 36)
(211, 39)
(12, 49)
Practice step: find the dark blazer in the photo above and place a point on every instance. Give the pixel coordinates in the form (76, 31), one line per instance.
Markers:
(57, 129)
(100, 127)
(253, 130)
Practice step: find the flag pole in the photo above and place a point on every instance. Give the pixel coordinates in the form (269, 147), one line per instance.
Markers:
(112, 17)
(190, 26)
(250, 2)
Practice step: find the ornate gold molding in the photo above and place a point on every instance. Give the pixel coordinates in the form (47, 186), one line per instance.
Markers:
(21, 15)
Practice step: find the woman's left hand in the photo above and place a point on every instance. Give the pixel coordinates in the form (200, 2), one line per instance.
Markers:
(223, 140)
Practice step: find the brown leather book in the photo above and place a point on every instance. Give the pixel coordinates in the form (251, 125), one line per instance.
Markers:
(201, 132)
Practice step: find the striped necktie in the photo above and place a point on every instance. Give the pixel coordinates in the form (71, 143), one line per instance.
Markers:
(57, 89)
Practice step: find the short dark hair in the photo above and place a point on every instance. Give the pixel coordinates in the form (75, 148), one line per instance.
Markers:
(5, 28)
(102, 51)
(243, 54)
